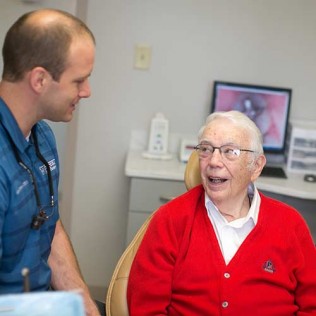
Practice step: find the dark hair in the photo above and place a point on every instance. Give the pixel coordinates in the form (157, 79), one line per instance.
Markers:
(28, 44)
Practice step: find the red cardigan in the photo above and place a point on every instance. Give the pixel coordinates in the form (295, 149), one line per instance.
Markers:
(179, 268)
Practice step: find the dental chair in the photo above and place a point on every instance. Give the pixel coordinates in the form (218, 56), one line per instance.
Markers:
(116, 302)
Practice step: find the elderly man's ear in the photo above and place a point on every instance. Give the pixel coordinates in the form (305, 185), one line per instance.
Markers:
(258, 166)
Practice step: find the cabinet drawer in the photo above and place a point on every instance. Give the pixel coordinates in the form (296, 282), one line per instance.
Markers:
(147, 195)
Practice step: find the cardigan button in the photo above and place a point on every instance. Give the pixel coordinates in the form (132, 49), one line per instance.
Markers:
(226, 275)
(225, 304)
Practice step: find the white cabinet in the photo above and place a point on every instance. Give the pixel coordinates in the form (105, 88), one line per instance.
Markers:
(146, 196)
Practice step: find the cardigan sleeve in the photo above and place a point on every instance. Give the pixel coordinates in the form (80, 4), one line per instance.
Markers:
(305, 293)
(149, 288)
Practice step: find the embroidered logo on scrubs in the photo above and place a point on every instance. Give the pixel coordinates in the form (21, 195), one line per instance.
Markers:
(52, 166)
(268, 266)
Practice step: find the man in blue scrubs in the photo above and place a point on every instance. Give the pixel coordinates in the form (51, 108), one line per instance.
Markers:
(48, 57)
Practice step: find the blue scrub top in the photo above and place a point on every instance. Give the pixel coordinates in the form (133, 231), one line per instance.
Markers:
(20, 245)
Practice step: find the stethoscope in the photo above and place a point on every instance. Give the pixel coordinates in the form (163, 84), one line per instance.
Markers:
(39, 219)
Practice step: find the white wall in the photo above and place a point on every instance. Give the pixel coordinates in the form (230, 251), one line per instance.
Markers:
(268, 42)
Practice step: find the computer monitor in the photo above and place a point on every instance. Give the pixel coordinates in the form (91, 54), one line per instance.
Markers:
(268, 107)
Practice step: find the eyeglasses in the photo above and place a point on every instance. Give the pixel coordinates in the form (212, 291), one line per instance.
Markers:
(228, 152)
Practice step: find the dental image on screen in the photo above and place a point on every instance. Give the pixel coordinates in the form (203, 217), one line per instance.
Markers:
(267, 108)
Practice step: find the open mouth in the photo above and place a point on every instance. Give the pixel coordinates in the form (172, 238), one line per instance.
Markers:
(217, 180)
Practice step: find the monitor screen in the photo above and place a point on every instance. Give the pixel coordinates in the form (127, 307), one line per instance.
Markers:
(268, 107)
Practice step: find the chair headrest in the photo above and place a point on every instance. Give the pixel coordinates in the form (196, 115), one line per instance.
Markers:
(192, 175)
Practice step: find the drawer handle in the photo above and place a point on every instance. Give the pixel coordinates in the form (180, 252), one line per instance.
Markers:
(165, 199)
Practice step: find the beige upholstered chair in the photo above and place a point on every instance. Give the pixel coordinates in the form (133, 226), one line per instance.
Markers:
(192, 175)
(116, 303)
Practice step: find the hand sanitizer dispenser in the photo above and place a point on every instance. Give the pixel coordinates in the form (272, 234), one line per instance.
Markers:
(158, 138)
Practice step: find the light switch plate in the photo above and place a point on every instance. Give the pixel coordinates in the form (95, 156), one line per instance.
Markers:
(142, 57)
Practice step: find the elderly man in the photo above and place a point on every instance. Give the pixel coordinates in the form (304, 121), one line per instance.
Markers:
(223, 248)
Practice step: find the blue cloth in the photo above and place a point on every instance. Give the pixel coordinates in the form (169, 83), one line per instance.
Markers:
(39, 304)
(21, 246)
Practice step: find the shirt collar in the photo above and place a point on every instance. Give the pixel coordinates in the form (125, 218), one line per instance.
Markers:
(10, 124)
(252, 215)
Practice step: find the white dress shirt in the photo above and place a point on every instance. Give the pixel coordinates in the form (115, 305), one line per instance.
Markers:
(230, 235)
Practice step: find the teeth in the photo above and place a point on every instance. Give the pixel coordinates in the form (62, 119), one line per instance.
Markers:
(217, 180)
